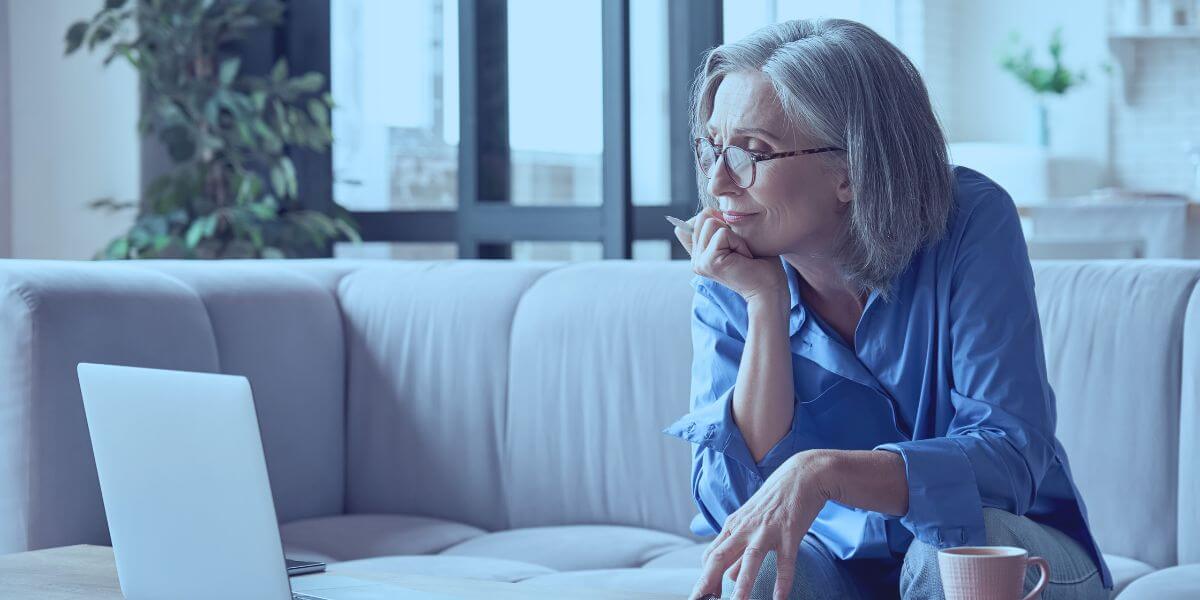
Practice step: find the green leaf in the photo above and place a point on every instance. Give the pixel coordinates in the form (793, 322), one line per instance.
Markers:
(195, 232)
(101, 33)
(270, 139)
(160, 242)
(350, 232)
(280, 71)
(113, 4)
(229, 70)
(119, 248)
(308, 83)
(318, 112)
(263, 210)
(75, 35)
(277, 181)
(289, 174)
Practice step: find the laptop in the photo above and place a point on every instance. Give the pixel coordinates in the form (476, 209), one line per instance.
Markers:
(186, 493)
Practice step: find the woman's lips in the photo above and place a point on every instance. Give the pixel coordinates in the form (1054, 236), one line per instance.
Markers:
(735, 217)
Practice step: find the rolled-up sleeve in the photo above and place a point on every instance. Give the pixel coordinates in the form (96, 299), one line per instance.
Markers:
(724, 472)
(998, 444)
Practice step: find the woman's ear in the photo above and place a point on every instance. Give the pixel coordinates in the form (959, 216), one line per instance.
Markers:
(844, 192)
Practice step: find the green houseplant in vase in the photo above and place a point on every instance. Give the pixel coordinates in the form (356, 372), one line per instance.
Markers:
(1045, 81)
(231, 190)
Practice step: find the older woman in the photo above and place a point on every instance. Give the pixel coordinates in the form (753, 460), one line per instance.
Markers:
(869, 383)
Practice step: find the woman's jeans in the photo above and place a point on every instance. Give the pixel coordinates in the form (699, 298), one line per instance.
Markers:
(1073, 575)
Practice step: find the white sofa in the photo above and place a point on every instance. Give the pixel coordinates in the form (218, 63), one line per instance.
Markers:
(501, 420)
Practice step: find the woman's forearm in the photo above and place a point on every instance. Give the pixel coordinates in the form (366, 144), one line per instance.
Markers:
(874, 480)
(763, 395)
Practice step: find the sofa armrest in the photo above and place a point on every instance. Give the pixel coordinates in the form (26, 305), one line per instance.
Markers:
(54, 315)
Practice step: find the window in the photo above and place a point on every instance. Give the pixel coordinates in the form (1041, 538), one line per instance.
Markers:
(522, 129)
(395, 84)
(649, 94)
(742, 18)
(555, 114)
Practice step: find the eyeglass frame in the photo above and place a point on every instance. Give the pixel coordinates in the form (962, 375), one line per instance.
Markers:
(755, 158)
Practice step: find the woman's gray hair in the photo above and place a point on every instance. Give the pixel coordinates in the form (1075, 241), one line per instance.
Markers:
(841, 84)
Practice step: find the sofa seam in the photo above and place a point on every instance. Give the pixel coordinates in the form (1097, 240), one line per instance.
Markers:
(505, 413)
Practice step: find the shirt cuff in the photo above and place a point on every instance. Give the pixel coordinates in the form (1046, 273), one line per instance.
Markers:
(712, 425)
(944, 506)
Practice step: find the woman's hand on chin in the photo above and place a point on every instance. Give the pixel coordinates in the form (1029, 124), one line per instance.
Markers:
(776, 517)
(723, 256)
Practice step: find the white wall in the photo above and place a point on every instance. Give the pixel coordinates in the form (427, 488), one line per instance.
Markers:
(73, 135)
(1162, 114)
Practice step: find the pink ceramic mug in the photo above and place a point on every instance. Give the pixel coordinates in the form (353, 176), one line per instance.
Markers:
(989, 573)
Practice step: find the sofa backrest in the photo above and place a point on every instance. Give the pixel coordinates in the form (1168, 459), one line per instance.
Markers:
(515, 394)
(1113, 333)
(427, 386)
(601, 360)
(277, 324)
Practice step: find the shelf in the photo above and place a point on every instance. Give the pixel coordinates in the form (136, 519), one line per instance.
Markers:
(1124, 45)
(1181, 33)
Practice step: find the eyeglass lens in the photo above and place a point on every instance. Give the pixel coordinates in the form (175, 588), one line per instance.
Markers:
(737, 161)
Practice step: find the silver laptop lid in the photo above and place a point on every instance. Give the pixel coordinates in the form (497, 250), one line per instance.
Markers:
(184, 483)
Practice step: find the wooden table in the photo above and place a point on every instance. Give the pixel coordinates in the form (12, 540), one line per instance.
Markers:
(75, 572)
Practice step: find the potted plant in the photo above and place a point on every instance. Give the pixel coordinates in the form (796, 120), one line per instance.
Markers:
(1043, 80)
(231, 190)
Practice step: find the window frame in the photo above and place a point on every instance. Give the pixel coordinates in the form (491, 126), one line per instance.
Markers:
(485, 223)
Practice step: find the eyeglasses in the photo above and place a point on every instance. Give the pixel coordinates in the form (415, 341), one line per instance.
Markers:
(740, 162)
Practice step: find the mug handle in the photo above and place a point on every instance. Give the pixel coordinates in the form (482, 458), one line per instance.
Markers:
(1042, 566)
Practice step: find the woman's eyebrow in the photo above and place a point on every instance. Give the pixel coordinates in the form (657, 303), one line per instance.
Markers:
(749, 130)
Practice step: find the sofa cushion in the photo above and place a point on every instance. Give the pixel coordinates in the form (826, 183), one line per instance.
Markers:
(1125, 570)
(1175, 583)
(660, 581)
(573, 547)
(687, 557)
(463, 567)
(1113, 334)
(350, 537)
(590, 391)
(427, 350)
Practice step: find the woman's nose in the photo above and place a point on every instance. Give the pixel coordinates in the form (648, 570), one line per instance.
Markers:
(721, 184)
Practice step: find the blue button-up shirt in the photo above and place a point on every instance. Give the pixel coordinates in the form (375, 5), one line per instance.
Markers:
(949, 373)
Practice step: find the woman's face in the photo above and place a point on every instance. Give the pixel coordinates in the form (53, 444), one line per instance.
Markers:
(800, 202)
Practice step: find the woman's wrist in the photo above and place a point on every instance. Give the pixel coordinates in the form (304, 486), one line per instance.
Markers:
(770, 302)
(820, 473)
(873, 480)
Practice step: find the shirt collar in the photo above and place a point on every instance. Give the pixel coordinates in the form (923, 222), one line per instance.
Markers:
(793, 282)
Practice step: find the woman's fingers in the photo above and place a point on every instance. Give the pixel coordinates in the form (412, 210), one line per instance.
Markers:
(752, 560)
(685, 239)
(708, 226)
(735, 569)
(713, 544)
(716, 564)
(785, 570)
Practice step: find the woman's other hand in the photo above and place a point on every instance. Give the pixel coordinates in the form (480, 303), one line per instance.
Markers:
(776, 517)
